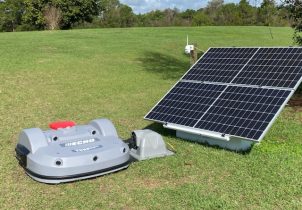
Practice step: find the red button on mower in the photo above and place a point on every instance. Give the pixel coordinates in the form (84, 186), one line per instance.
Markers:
(62, 124)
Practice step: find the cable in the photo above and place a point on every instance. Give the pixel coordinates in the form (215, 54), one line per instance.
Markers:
(171, 147)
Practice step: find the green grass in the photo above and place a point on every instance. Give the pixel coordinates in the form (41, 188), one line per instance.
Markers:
(120, 74)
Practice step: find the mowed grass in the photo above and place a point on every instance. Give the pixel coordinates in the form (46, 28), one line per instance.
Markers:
(120, 74)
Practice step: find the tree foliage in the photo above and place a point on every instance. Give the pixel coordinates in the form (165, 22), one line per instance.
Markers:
(36, 14)
(33, 13)
(114, 14)
(72, 11)
(201, 19)
(267, 12)
(246, 13)
(295, 13)
(11, 12)
(219, 13)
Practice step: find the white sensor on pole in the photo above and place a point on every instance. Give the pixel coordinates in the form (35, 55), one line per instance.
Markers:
(188, 47)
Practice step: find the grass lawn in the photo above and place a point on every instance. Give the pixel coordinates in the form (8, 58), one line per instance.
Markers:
(120, 74)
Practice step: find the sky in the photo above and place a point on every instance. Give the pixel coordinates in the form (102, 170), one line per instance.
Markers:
(143, 6)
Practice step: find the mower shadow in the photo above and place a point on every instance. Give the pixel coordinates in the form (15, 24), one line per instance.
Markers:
(169, 67)
(172, 134)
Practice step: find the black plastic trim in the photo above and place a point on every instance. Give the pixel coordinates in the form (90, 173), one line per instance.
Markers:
(21, 154)
(76, 175)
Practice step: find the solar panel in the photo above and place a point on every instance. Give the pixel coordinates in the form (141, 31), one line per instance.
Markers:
(243, 111)
(276, 67)
(185, 103)
(233, 91)
(220, 64)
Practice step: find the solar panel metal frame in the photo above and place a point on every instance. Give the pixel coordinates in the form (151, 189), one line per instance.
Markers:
(217, 135)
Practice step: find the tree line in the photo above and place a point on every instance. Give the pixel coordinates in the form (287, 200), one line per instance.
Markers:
(65, 14)
(295, 14)
(219, 13)
(24, 15)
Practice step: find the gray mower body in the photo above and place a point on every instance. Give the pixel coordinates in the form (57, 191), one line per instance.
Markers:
(73, 153)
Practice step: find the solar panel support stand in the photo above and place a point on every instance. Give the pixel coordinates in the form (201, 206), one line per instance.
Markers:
(193, 55)
(234, 144)
(210, 138)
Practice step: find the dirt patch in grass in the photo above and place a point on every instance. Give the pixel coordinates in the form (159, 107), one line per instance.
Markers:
(296, 101)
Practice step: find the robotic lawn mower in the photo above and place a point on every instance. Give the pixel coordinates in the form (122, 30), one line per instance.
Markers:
(70, 152)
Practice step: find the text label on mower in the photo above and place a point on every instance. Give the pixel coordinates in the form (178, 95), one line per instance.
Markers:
(77, 143)
(87, 149)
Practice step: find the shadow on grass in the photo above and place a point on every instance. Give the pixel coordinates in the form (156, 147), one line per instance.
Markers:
(167, 66)
(171, 133)
(157, 127)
